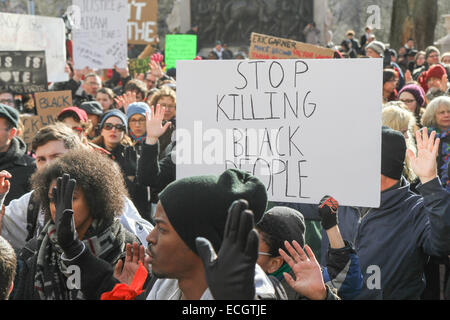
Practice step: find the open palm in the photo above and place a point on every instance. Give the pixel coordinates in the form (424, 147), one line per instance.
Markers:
(124, 272)
(154, 126)
(424, 164)
(308, 276)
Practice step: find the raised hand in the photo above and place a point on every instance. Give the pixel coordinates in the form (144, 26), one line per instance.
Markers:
(154, 126)
(124, 72)
(66, 233)
(328, 208)
(155, 69)
(424, 164)
(124, 272)
(4, 183)
(308, 276)
(231, 273)
(125, 100)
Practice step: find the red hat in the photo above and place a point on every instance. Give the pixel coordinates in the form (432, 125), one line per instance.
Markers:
(436, 71)
(79, 112)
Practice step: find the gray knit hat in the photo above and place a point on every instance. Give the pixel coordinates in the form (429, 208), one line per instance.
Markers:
(378, 47)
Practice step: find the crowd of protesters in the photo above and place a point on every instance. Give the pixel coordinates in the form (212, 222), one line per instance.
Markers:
(98, 190)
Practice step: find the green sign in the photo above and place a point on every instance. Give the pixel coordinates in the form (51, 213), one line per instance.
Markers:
(138, 66)
(180, 47)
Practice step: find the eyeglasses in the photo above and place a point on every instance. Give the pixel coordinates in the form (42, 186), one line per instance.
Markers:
(110, 126)
(408, 100)
(168, 106)
(433, 56)
(265, 254)
(135, 121)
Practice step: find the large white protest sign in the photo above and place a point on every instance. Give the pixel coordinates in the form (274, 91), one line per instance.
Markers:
(100, 37)
(20, 32)
(306, 128)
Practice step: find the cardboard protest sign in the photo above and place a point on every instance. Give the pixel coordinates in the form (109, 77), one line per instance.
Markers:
(142, 21)
(267, 47)
(23, 71)
(180, 47)
(100, 38)
(48, 105)
(137, 66)
(32, 124)
(306, 128)
(52, 102)
(20, 32)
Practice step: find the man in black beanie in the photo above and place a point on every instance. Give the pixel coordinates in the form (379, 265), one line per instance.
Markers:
(194, 218)
(394, 242)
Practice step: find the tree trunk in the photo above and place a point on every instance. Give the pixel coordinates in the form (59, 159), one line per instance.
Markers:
(414, 19)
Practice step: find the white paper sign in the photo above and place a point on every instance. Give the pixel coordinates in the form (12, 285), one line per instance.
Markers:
(306, 128)
(19, 32)
(100, 37)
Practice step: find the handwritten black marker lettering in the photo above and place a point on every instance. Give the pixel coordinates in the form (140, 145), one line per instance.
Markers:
(256, 71)
(220, 108)
(299, 70)
(266, 140)
(271, 105)
(236, 143)
(277, 142)
(300, 180)
(291, 143)
(288, 102)
(270, 74)
(304, 106)
(245, 79)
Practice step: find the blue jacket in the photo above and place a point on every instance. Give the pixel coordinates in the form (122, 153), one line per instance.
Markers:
(394, 242)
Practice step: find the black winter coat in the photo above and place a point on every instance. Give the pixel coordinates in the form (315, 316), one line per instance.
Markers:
(20, 165)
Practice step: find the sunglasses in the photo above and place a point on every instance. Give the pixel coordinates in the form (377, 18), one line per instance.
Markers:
(110, 126)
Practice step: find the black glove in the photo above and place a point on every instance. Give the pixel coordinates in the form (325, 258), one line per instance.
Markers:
(328, 212)
(231, 274)
(65, 226)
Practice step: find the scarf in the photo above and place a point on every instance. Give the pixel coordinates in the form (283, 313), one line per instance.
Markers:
(50, 279)
(443, 159)
(279, 273)
(140, 139)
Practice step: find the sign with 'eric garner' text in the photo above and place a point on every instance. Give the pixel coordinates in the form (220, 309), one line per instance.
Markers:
(268, 47)
(306, 128)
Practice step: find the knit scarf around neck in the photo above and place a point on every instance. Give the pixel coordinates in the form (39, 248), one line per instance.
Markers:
(50, 279)
(140, 139)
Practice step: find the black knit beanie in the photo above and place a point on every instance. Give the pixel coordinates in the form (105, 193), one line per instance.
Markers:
(282, 224)
(393, 151)
(198, 206)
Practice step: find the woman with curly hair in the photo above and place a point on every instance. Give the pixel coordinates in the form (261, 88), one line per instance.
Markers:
(95, 199)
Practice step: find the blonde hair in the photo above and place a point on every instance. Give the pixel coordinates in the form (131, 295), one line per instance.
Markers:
(163, 92)
(397, 116)
(429, 116)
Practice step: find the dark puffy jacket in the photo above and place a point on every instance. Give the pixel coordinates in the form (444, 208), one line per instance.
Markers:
(20, 165)
(394, 241)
